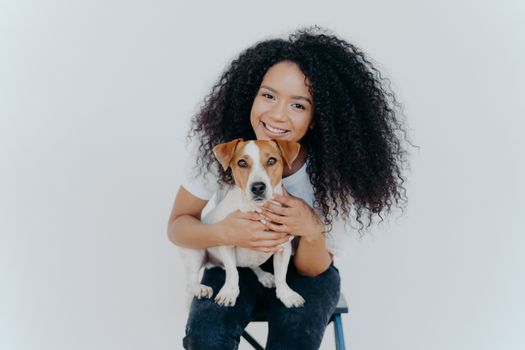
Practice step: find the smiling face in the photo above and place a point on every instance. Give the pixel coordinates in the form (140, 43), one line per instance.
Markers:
(282, 108)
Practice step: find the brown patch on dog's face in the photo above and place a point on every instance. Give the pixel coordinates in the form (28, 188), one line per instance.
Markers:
(289, 150)
(271, 160)
(241, 165)
(225, 151)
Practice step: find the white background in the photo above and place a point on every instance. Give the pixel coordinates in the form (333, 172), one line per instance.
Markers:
(95, 100)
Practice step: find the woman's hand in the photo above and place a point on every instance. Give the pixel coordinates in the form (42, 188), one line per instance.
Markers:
(246, 230)
(294, 217)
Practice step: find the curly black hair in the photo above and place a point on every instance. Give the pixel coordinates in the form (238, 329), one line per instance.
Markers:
(356, 155)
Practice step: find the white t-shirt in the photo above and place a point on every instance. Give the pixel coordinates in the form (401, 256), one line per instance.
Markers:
(298, 184)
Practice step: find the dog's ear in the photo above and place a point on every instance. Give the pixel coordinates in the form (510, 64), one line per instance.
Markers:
(289, 150)
(225, 151)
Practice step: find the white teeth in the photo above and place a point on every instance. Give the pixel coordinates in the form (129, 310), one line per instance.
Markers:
(274, 130)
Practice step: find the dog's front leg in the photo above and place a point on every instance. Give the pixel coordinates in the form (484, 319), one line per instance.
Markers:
(193, 261)
(230, 290)
(287, 295)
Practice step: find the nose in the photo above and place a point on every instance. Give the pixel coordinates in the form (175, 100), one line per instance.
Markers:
(258, 188)
(279, 112)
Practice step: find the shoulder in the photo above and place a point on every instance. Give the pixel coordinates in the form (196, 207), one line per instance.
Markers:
(337, 238)
(199, 182)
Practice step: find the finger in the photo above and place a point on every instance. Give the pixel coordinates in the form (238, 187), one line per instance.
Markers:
(263, 244)
(278, 228)
(271, 243)
(270, 235)
(269, 250)
(269, 216)
(272, 249)
(287, 194)
(268, 206)
(250, 216)
(259, 226)
(286, 200)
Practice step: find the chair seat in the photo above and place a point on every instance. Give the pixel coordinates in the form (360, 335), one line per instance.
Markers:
(341, 308)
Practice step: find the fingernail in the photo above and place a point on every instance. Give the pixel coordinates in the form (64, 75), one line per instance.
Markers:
(259, 210)
(291, 238)
(263, 221)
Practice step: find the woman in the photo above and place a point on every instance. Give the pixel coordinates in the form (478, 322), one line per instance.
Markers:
(322, 92)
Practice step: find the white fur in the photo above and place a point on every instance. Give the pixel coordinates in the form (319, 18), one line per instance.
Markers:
(229, 257)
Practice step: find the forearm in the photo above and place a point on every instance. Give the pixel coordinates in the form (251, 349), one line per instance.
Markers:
(188, 231)
(311, 257)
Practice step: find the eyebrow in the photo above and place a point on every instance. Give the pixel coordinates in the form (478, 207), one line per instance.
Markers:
(294, 97)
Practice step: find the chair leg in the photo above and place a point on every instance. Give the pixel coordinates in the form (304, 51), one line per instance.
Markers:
(252, 341)
(339, 336)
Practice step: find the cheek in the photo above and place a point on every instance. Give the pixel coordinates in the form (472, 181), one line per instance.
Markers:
(254, 120)
(301, 124)
(259, 108)
(256, 110)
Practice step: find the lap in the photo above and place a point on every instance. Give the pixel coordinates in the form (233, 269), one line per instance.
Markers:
(303, 327)
(218, 323)
(206, 311)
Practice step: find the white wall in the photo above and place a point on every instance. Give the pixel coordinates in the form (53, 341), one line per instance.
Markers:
(95, 99)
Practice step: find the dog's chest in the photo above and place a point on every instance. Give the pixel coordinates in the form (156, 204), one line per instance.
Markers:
(233, 201)
(250, 258)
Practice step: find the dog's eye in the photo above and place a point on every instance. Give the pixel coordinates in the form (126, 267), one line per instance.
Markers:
(271, 161)
(242, 163)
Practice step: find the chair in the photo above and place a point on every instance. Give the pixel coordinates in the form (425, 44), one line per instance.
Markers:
(341, 308)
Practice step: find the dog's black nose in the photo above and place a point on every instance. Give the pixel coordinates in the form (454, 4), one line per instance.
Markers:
(258, 188)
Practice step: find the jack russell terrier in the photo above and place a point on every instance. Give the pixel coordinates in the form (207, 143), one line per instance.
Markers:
(257, 168)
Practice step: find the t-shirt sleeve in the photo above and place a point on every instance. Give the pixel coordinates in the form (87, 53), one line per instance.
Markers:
(337, 238)
(202, 185)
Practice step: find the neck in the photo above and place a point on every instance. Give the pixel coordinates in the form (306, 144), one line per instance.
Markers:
(297, 163)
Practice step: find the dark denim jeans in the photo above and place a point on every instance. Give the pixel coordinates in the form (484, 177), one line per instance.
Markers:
(211, 326)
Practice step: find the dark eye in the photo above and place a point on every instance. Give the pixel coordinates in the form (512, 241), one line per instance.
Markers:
(267, 95)
(271, 161)
(242, 163)
(297, 105)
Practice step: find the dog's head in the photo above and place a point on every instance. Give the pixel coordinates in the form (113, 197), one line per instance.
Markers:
(257, 166)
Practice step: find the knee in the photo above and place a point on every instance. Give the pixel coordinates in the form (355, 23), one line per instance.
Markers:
(203, 335)
(299, 332)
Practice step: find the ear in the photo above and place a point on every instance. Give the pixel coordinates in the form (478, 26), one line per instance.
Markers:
(289, 150)
(225, 151)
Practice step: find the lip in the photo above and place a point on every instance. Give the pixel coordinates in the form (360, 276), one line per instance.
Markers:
(271, 133)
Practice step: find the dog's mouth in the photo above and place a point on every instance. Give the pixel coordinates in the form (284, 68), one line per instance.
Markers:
(258, 199)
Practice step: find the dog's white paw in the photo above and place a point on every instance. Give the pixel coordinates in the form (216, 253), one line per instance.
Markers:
(288, 297)
(227, 295)
(202, 291)
(266, 279)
